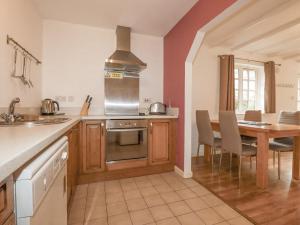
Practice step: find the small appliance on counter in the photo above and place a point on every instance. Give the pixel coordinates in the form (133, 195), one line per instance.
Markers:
(48, 107)
(158, 108)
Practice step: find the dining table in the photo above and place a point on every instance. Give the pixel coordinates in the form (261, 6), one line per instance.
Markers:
(264, 132)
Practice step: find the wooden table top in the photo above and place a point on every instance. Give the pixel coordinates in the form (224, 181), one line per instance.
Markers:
(274, 130)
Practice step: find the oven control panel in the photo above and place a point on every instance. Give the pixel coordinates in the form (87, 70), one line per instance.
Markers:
(125, 124)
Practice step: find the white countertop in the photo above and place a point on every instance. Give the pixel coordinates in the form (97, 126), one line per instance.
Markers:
(20, 144)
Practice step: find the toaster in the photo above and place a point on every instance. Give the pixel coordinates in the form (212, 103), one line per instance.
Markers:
(158, 108)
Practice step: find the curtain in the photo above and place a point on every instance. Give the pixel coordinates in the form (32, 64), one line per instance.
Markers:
(270, 91)
(226, 99)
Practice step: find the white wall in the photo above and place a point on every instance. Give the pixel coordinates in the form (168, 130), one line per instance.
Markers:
(206, 84)
(74, 57)
(19, 19)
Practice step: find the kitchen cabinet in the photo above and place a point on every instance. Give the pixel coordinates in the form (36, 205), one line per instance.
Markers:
(6, 200)
(92, 155)
(73, 138)
(161, 141)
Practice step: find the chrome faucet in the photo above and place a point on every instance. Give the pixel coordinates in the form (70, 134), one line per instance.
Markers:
(10, 117)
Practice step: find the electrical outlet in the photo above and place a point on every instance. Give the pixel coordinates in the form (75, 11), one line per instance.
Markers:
(147, 100)
(60, 98)
(71, 98)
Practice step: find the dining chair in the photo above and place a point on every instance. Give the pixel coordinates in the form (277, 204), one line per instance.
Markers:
(231, 139)
(205, 133)
(284, 144)
(255, 116)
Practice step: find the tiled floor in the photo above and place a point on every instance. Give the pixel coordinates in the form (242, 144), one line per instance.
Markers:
(163, 199)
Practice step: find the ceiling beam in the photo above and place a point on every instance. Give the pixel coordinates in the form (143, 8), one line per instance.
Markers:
(268, 33)
(245, 27)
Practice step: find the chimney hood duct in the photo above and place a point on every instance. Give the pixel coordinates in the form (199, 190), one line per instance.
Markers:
(123, 59)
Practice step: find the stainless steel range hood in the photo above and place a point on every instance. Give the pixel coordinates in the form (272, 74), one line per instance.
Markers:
(123, 59)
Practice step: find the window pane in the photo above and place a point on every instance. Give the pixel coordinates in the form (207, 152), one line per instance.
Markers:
(252, 95)
(252, 85)
(245, 95)
(245, 74)
(244, 106)
(251, 75)
(236, 84)
(236, 95)
(245, 85)
(236, 73)
(251, 105)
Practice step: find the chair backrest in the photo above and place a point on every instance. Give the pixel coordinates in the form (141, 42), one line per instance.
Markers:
(205, 132)
(231, 139)
(289, 117)
(253, 115)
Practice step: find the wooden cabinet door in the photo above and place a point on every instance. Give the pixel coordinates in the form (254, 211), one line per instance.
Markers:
(73, 138)
(159, 142)
(93, 147)
(6, 199)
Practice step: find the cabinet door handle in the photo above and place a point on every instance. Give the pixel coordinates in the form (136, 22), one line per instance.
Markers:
(151, 128)
(102, 129)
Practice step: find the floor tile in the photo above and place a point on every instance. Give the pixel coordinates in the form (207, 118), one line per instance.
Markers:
(212, 200)
(239, 221)
(95, 212)
(190, 182)
(99, 200)
(102, 221)
(177, 186)
(141, 217)
(154, 200)
(132, 194)
(116, 208)
(136, 204)
(169, 221)
(186, 194)
(170, 197)
(223, 223)
(76, 216)
(200, 191)
(127, 180)
(161, 212)
(78, 204)
(163, 188)
(143, 184)
(129, 186)
(147, 191)
(196, 204)
(81, 191)
(226, 212)
(190, 219)
(114, 197)
(209, 216)
(121, 219)
(179, 208)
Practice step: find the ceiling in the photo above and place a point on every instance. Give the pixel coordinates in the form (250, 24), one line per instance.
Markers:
(265, 27)
(153, 17)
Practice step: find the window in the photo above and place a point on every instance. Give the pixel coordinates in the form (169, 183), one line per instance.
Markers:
(248, 88)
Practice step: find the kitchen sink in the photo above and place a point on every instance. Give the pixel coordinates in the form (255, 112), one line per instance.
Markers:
(33, 121)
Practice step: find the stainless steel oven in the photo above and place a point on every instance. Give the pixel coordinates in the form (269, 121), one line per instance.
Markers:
(126, 139)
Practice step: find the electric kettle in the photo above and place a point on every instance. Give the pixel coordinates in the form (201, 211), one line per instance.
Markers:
(48, 107)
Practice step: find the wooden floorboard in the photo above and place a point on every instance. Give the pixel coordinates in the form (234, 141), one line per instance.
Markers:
(279, 204)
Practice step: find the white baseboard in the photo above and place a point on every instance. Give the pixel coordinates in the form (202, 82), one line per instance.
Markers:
(183, 174)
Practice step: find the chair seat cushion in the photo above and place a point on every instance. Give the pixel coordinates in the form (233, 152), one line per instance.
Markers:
(217, 142)
(285, 140)
(248, 150)
(276, 146)
(248, 140)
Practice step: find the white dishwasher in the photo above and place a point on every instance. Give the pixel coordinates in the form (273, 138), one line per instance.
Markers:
(40, 189)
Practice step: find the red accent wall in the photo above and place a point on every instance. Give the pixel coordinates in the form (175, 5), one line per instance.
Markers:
(177, 44)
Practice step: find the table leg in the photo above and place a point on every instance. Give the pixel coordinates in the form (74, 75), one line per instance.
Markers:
(207, 153)
(296, 158)
(262, 160)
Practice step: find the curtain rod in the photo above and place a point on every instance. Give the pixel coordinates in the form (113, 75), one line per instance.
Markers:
(251, 60)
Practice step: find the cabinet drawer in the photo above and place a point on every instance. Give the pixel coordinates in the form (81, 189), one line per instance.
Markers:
(11, 220)
(6, 199)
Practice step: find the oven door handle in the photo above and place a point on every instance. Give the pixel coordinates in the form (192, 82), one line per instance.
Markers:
(125, 130)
